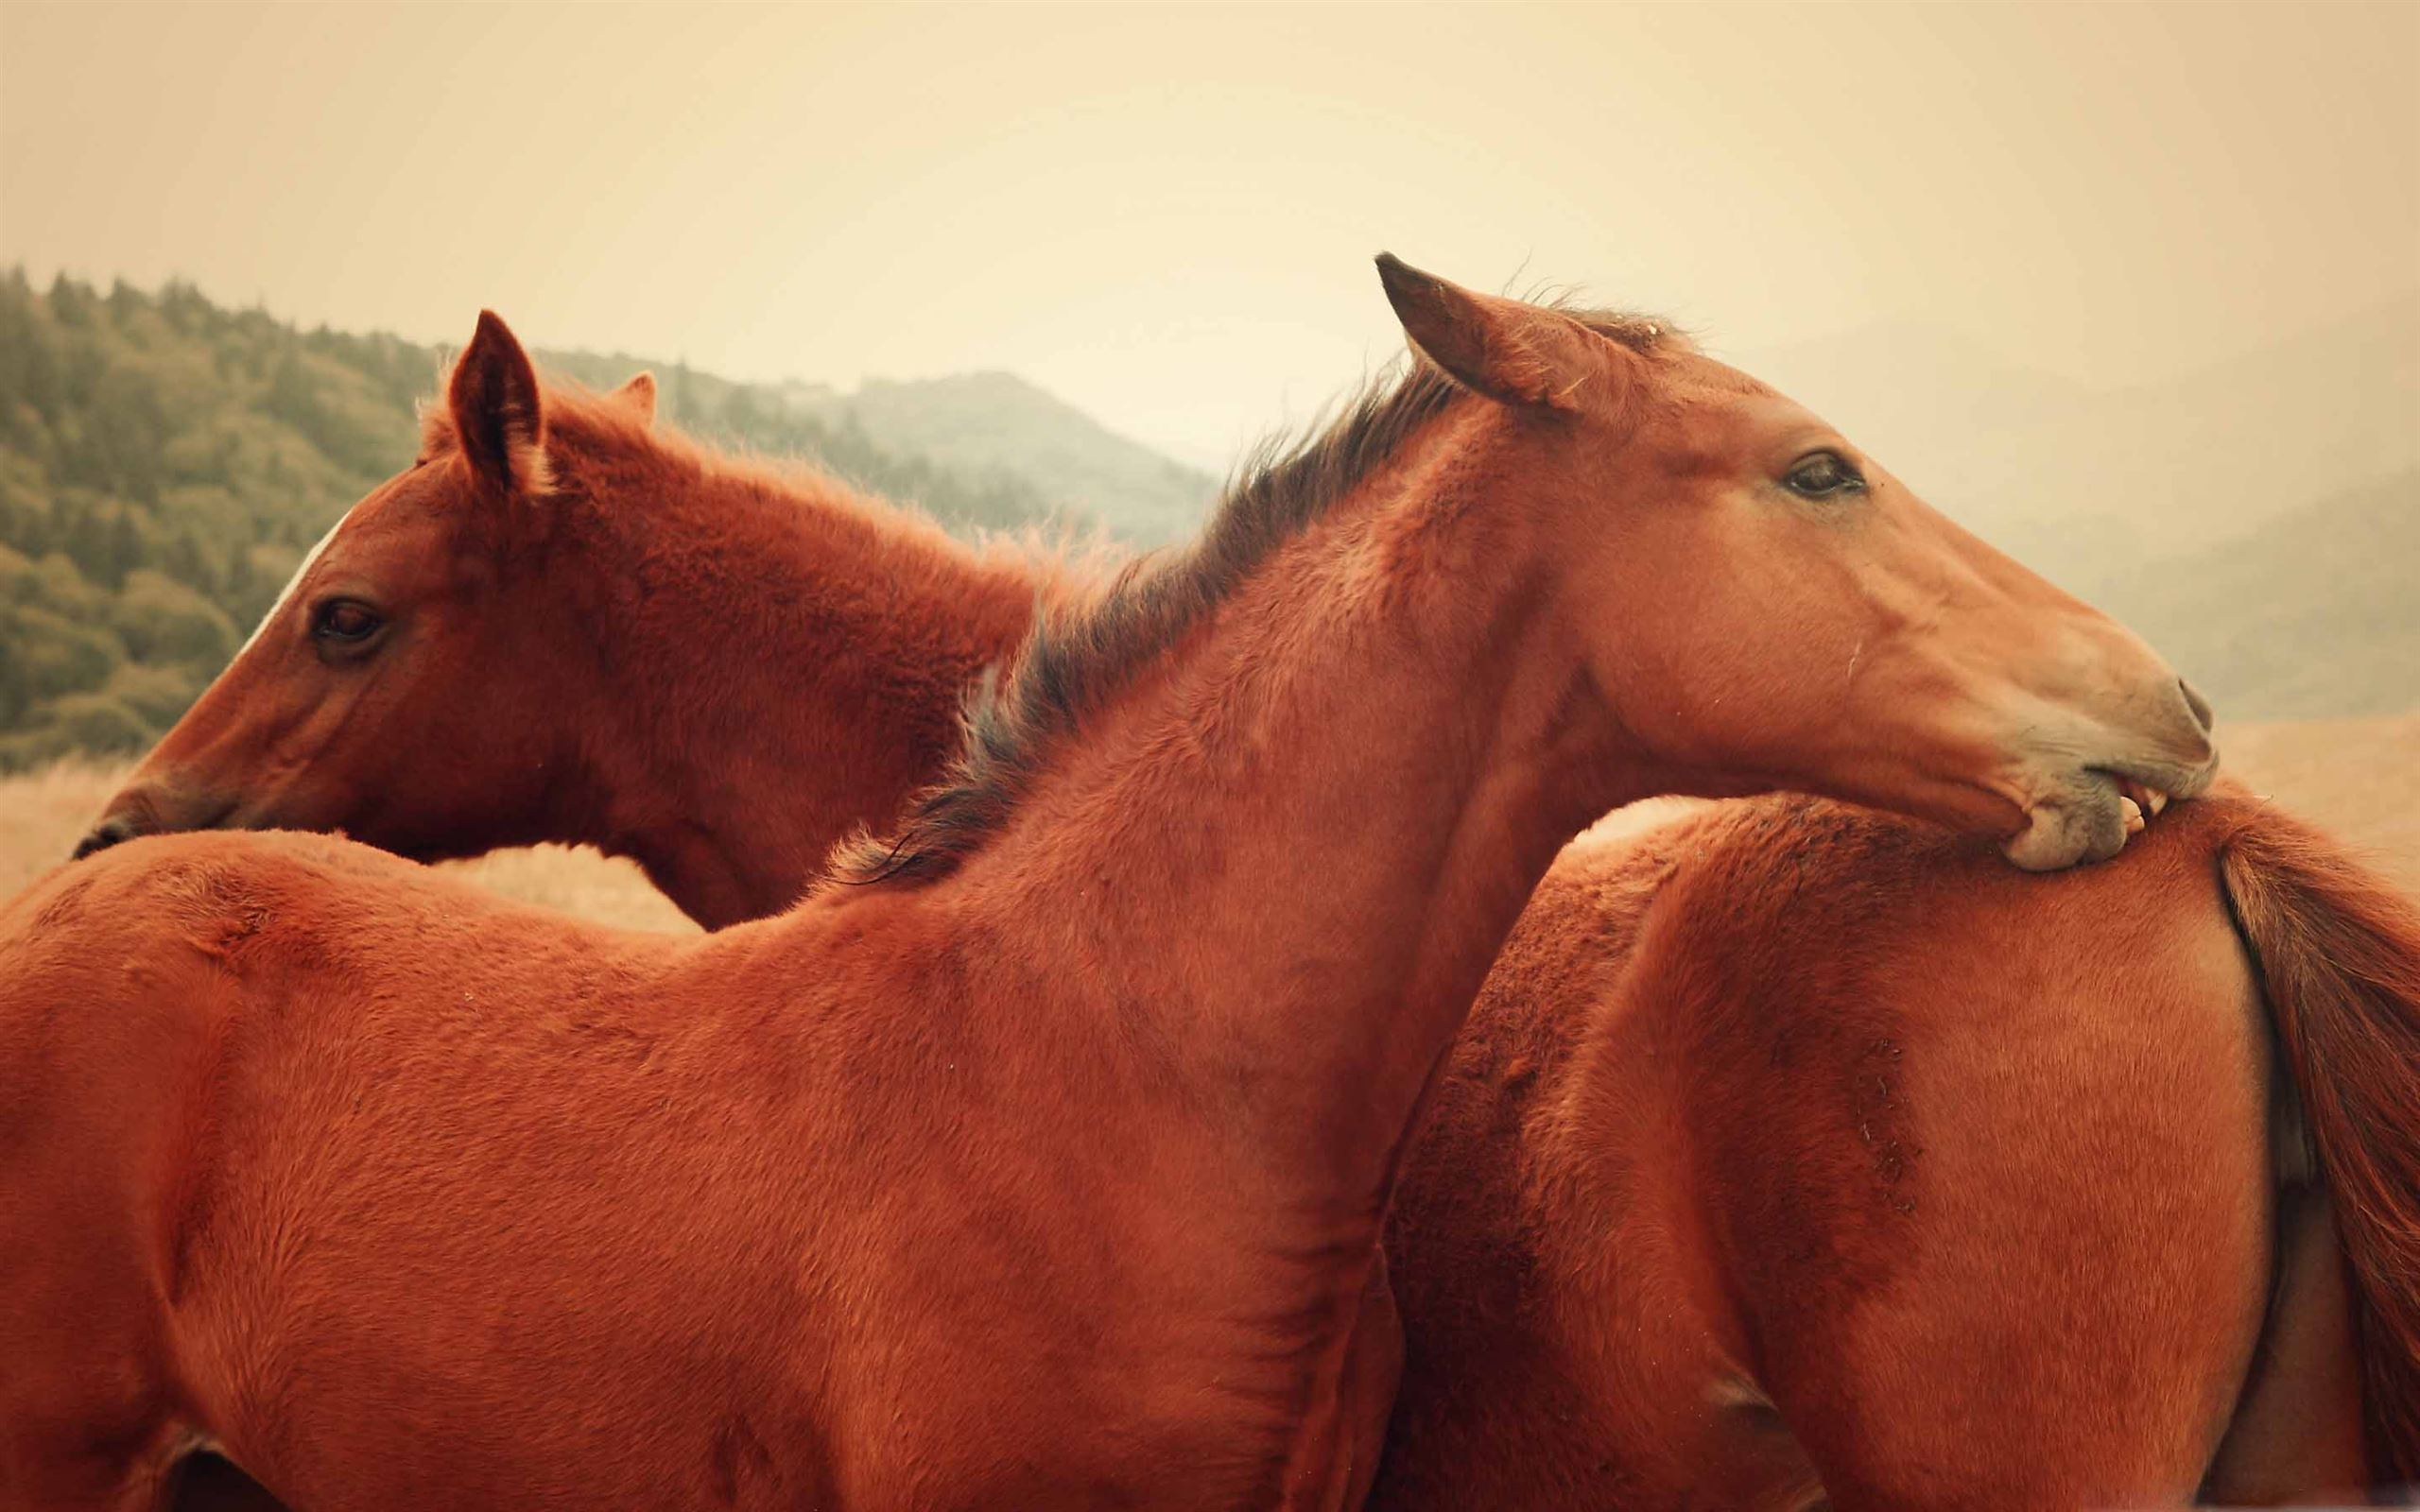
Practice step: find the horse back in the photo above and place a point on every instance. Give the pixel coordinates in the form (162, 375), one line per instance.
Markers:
(342, 1141)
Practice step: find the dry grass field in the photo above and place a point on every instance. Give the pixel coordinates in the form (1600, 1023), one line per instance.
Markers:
(2359, 778)
(43, 812)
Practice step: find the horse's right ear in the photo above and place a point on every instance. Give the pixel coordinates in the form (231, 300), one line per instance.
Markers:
(639, 393)
(1514, 353)
(497, 416)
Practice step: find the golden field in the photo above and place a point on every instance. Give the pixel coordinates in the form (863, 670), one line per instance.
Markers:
(42, 813)
(2359, 778)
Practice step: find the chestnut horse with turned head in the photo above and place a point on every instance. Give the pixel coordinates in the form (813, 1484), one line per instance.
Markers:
(1995, 1274)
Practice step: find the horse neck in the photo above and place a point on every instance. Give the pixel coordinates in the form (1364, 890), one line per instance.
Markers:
(1344, 784)
(788, 664)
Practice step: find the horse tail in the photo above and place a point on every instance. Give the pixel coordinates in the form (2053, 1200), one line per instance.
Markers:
(2337, 950)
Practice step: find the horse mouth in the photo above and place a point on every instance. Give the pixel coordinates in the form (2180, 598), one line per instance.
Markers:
(142, 816)
(2093, 813)
(104, 834)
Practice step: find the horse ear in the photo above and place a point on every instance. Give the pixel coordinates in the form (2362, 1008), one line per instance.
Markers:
(497, 416)
(639, 393)
(1514, 353)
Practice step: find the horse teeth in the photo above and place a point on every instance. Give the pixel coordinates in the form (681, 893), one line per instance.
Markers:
(2142, 798)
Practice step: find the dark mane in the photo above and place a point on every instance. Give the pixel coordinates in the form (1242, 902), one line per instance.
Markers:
(1073, 660)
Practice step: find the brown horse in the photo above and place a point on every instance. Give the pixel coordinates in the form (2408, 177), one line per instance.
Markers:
(1042, 1156)
(1794, 1155)
(2018, 1235)
(713, 668)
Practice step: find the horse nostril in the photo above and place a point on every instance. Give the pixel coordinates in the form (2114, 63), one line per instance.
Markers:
(105, 834)
(2201, 706)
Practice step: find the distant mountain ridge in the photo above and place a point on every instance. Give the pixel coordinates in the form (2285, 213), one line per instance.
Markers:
(2314, 615)
(2257, 520)
(2079, 480)
(998, 421)
(992, 430)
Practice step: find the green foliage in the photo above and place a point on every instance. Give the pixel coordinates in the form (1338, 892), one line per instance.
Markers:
(166, 623)
(96, 722)
(159, 696)
(164, 462)
(50, 657)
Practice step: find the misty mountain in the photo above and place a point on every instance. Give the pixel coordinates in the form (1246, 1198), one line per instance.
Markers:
(2257, 520)
(987, 422)
(1040, 457)
(2315, 614)
(2084, 482)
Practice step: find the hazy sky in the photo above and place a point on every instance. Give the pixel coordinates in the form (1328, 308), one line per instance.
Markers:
(1166, 215)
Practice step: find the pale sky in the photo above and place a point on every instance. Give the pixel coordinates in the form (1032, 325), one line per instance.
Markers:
(1166, 215)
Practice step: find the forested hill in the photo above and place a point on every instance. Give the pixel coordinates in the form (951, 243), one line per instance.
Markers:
(165, 461)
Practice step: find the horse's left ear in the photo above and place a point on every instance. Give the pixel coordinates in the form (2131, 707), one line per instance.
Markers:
(498, 415)
(1514, 353)
(639, 393)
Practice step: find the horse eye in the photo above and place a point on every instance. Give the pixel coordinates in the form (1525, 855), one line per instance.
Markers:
(344, 619)
(1821, 476)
